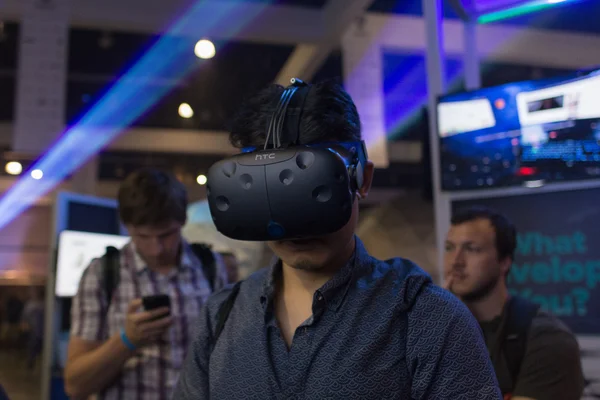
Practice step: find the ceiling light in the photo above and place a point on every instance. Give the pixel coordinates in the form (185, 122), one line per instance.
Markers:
(205, 49)
(37, 174)
(13, 168)
(201, 179)
(185, 110)
(520, 8)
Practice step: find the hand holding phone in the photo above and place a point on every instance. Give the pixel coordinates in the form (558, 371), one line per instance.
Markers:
(148, 326)
(156, 301)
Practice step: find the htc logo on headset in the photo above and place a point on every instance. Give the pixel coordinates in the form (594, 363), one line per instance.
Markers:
(263, 157)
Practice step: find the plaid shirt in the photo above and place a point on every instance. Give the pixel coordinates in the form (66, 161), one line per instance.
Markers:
(153, 371)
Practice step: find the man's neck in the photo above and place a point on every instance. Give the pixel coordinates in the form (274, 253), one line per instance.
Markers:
(296, 280)
(294, 300)
(309, 281)
(490, 306)
(163, 269)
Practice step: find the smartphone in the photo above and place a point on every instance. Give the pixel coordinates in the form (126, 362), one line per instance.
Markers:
(156, 301)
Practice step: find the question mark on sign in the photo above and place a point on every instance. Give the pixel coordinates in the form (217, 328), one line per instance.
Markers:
(581, 298)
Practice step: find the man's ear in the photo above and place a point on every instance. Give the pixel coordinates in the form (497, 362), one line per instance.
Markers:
(368, 171)
(505, 266)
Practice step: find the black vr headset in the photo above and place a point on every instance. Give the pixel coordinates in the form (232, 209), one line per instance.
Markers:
(286, 190)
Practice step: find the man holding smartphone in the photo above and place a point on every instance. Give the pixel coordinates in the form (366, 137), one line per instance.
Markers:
(129, 342)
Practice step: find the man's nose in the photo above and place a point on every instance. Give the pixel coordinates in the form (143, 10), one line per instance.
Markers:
(458, 259)
(156, 246)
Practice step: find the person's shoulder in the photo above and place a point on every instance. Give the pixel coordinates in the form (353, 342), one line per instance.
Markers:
(93, 271)
(551, 365)
(397, 271)
(549, 330)
(95, 265)
(400, 266)
(435, 301)
(550, 339)
(544, 322)
(416, 290)
(432, 304)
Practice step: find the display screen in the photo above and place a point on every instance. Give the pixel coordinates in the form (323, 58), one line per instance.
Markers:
(75, 252)
(86, 217)
(526, 133)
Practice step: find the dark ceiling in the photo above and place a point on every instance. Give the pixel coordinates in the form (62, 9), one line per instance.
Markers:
(213, 89)
(298, 3)
(577, 15)
(216, 89)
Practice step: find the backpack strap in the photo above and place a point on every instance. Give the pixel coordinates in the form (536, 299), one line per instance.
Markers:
(111, 272)
(521, 313)
(209, 263)
(224, 311)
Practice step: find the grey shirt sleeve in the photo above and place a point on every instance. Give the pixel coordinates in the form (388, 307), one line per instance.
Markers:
(551, 368)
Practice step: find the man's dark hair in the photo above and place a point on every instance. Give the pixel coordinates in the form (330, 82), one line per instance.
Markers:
(506, 233)
(329, 114)
(152, 197)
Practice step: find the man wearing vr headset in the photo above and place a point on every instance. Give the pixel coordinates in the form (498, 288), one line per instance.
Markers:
(326, 320)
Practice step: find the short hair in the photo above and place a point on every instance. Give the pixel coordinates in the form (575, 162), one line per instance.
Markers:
(329, 115)
(152, 197)
(506, 233)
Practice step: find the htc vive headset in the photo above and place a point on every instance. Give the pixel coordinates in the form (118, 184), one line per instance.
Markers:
(286, 190)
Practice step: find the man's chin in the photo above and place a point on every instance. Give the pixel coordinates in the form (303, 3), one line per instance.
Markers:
(460, 291)
(303, 260)
(158, 263)
(476, 294)
(306, 265)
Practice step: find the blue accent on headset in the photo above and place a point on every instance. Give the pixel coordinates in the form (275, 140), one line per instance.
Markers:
(275, 230)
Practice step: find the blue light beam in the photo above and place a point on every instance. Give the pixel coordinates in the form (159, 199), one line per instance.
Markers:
(171, 57)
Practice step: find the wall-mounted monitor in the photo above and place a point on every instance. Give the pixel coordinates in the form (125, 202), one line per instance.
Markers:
(75, 252)
(525, 133)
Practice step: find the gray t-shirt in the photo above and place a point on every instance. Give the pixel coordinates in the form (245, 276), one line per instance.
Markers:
(551, 368)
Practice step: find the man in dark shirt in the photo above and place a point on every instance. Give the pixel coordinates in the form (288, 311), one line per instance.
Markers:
(480, 247)
(328, 321)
